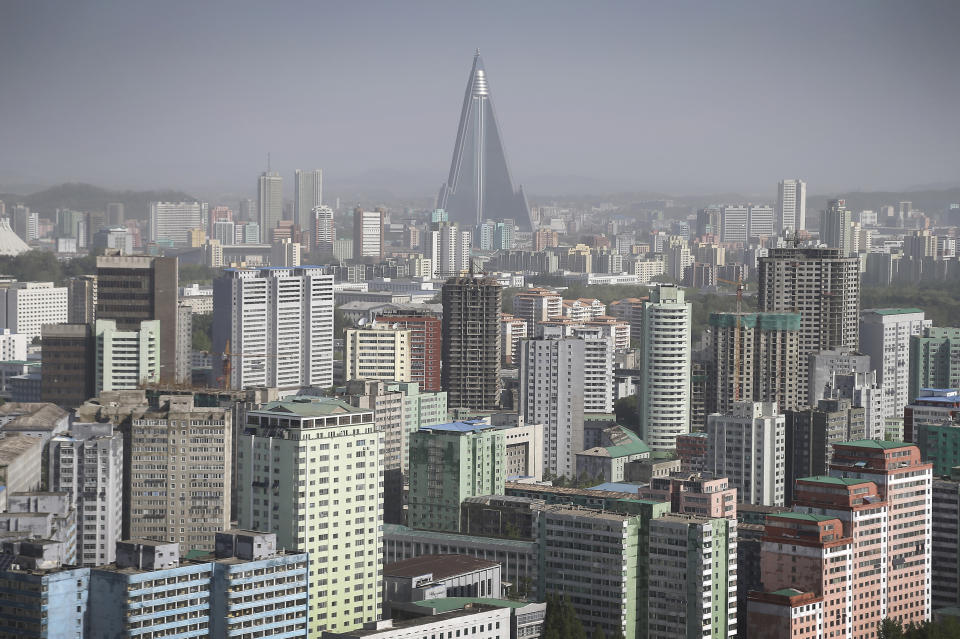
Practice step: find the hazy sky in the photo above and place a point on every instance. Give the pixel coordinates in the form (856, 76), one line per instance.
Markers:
(673, 96)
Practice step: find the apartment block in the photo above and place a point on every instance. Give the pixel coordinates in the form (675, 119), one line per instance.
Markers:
(275, 328)
(26, 306)
(471, 342)
(885, 336)
(448, 463)
(512, 330)
(296, 462)
(537, 305)
(700, 494)
(931, 406)
(125, 359)
(68, 361)
(748, 447)
(426, 343)
(934, 360)
(945, 533)
(377, 352)
(173, 221)
(87, 463)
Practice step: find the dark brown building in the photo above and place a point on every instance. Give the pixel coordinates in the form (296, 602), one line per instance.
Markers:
(471, 342)
(136, 288)
(67, 373)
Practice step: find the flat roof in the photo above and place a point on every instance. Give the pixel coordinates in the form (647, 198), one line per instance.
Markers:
(878, 444)
(446, 604)
(836, 481)
(893, 311)
(314, 407)
(803, 516)
(615, 487)
(440, 566)
(14, 445)
(467, 426)
(787, 592)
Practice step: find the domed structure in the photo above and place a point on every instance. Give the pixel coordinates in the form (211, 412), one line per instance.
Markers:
(10, 242)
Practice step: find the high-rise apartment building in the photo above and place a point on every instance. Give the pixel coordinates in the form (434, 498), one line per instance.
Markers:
(754, 358)
(734, 224)
(367, 234)
(307, 195)
(87, 463)
(664, 394)
(173, 221)
(762, 223)
(823, 286)
(324, 232)
(692, 577)
(885, 335)
(134, 289)
(536, 305)
(945, 534)
(748, 446)
(377, 352)
(858, 540)
(274, 327)
(448, 463)
(295, 463)
(179, 477)
(471, 342)
(934, 360)
(125, 359)
(791, 206)
(82, 299)
(512, 330)
(26, 306)
(426, 342)
(836, 227)
(552, 393)
(448, 248)
(269, 204)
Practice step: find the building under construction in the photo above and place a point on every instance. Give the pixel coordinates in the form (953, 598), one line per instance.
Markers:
(471, 342)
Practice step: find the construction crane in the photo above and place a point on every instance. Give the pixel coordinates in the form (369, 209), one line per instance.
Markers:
(736, 337)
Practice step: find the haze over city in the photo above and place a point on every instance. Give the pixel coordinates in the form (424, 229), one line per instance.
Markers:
(684, 97)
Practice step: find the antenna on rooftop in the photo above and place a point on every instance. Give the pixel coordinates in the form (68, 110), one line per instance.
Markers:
(268, 161)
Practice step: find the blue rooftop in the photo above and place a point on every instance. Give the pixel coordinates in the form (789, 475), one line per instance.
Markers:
(470, 425)
(615, 487)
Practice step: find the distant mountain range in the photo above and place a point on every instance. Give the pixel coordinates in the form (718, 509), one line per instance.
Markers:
(87, 197)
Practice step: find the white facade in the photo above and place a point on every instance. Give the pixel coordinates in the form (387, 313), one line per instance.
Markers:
(307, 195)
(761, 221)
(224, 231)
(172, 221)
(552, 393)
(734, 224)
(270, 204)
(597, 364)
(277, 326)
(885, 337)
(126, 359)
(323, 228)
(378, 352)
(748, 448)
(792, 205)
(13, 346)
(449, 250)
(367, 234)
(664, 395)
(87, 462)
(484, 623)
(26, 306)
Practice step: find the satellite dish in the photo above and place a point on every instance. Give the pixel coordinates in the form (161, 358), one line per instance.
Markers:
(362, 321)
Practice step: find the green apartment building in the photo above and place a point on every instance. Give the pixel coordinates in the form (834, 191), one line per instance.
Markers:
(934, 360)
(448, 463)
(310, 471)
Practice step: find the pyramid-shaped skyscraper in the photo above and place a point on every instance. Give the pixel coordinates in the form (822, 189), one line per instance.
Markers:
(479, 186)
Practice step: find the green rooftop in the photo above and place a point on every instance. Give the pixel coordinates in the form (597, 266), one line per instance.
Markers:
(803, 516)
(893, 311)
(835, 481)
(446, 604)
(310, 407)
(878, 444)
(633, 446)
(787, 592)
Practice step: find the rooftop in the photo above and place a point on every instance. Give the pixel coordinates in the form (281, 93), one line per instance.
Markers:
(803, 516)
(310, 407)
(892, 311)
(876, 444)
(421, 535)
(787, 592)
(615, 487)
(446, 604)
(13, 446)
(440, 566)
(835, 481)
(469, 426)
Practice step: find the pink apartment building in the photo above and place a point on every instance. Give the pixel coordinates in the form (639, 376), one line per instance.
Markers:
(694, 494)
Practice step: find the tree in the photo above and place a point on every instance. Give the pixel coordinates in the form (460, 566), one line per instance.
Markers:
(625, 409)
(561, 620)
(202, 335)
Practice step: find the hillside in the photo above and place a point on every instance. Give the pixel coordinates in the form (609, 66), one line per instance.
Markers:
(87, 197)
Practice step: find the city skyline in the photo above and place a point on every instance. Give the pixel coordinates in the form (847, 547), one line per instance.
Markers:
(643, 96)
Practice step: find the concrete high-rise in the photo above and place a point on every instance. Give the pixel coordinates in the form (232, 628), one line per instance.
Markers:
(448, 248)
(664, 394)
(26, 306)
(552, 393)
(471, 342)
(134, 289)
(748, 447)
(934, 360)
(125, 359)
(945, 553)
(87, 462)
(479, 186)
(791, 205)
(426, 342)
(823, 286)
(173, 221)
(367, 234)
(82, 299)
(269, 204)
(324, 231)
(293, 481)
(274, 327)
(836, 227)
(68, 364)
(885, 335)
(377, 352)
(307, 195)
(755, 358)
(448, 463)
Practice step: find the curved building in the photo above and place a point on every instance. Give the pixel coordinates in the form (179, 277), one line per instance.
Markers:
(479, 186)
